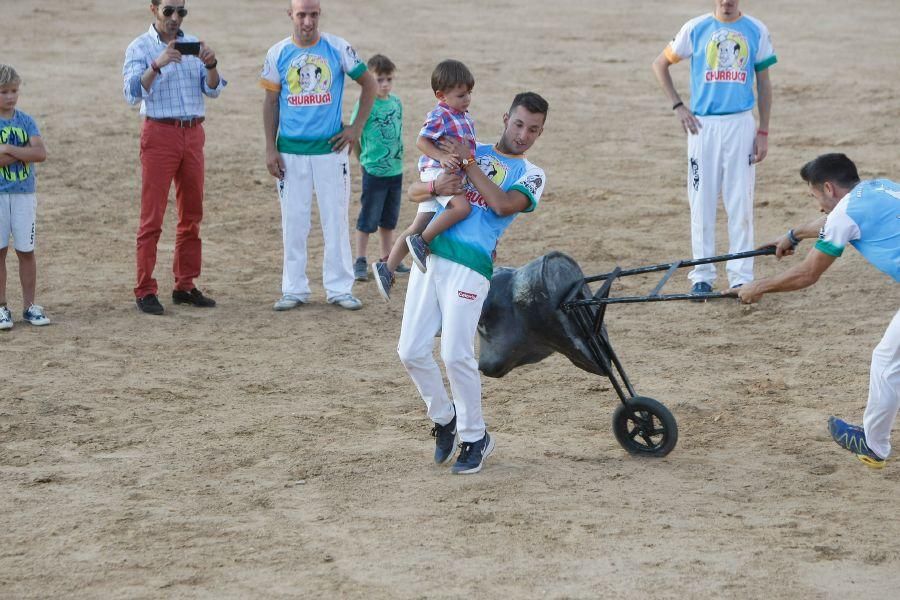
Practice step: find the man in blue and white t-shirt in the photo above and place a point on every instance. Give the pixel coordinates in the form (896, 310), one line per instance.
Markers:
(729, 52)
(448, 297)
(866, 215)
(307, 147)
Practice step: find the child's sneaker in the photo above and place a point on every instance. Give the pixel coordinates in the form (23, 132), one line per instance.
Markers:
(34, 314)
(6, 321)
(418, 250)
(853, 438)
(384, 279)
(361, 269)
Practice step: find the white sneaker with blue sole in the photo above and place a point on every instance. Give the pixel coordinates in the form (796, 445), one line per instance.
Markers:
(34, 314)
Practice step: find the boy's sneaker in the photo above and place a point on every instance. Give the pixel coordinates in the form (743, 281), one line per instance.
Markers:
(384, 280)
(853, 438)
(34, 314)
(6, 321)
(472, 454)
(444, 441)
(418, 250)
(361, 269)
(347, 301)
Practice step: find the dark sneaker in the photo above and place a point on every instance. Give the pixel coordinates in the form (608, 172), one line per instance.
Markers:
(701, 287)
(194, 297)
(853, 438)
(402, 269)
(361, 269)
(384, 280)
(444, 441)
(150, 305)
(472, 455)
(34, 314)
(418, 250)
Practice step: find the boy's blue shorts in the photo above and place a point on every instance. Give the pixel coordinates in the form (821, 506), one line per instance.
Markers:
(380, 202)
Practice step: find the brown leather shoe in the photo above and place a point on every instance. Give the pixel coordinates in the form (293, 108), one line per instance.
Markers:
(194, 297)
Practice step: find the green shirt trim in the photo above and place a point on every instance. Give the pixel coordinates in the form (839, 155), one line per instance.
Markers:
(466, 256)
(289, 145)
(765, 64)
(357, 71)
(828, 248)
(532, 202)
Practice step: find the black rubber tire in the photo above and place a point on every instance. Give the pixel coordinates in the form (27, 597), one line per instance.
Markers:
(645, 427)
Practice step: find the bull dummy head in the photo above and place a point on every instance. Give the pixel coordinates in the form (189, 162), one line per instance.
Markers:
(522, 322)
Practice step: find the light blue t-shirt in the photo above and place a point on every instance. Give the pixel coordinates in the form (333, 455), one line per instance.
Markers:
(869, 219)
(311, 86)
(725, 57)
(471, 242)
(17, 178)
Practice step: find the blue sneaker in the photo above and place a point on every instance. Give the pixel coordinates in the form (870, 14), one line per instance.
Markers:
(384, 279)
(701, 287)
(418, 250)
(853, 438)
(472, 455)
(402, 269)
(444, 441)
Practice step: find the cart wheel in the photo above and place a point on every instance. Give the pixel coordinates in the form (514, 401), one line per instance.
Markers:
(645, 427)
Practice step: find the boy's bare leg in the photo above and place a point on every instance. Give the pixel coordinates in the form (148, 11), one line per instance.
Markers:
(3, 277)
(457, 209)
(387, 240)
(399, 249)
(28, 276)
(362, 243)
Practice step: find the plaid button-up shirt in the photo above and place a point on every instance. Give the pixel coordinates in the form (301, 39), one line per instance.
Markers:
(177, 92)
(445, 121)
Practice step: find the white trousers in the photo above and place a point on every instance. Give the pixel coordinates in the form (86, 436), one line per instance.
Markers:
(719, 163)
(330, 175)
(447, 297)
(884, 390)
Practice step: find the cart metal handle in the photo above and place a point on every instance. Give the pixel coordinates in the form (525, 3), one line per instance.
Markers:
(601, 297)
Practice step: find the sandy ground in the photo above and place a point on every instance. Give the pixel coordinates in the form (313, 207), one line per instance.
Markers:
(237, 453)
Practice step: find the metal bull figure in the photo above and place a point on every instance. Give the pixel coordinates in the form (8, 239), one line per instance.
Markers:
(522, 321)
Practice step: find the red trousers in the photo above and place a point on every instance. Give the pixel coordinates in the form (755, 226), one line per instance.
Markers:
(170, 152)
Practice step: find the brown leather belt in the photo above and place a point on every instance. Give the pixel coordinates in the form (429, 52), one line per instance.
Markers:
(183, 123)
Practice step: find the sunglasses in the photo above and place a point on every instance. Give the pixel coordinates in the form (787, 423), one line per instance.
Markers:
(168, 11)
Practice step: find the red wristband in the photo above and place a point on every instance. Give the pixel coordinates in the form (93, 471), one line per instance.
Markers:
(155, 66)
(431, 188)
(762, 132)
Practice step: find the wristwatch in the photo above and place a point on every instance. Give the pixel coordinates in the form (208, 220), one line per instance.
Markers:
(467, 161)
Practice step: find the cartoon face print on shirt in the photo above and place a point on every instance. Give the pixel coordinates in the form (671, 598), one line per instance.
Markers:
(727, 56)
(309, 81)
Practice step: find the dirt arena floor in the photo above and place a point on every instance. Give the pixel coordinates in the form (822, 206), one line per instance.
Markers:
(240, 453)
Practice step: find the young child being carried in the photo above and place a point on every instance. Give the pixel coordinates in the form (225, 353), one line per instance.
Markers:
(20, 147)
(452, 83)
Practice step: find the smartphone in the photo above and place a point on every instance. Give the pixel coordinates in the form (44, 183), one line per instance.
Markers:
(190, 48)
